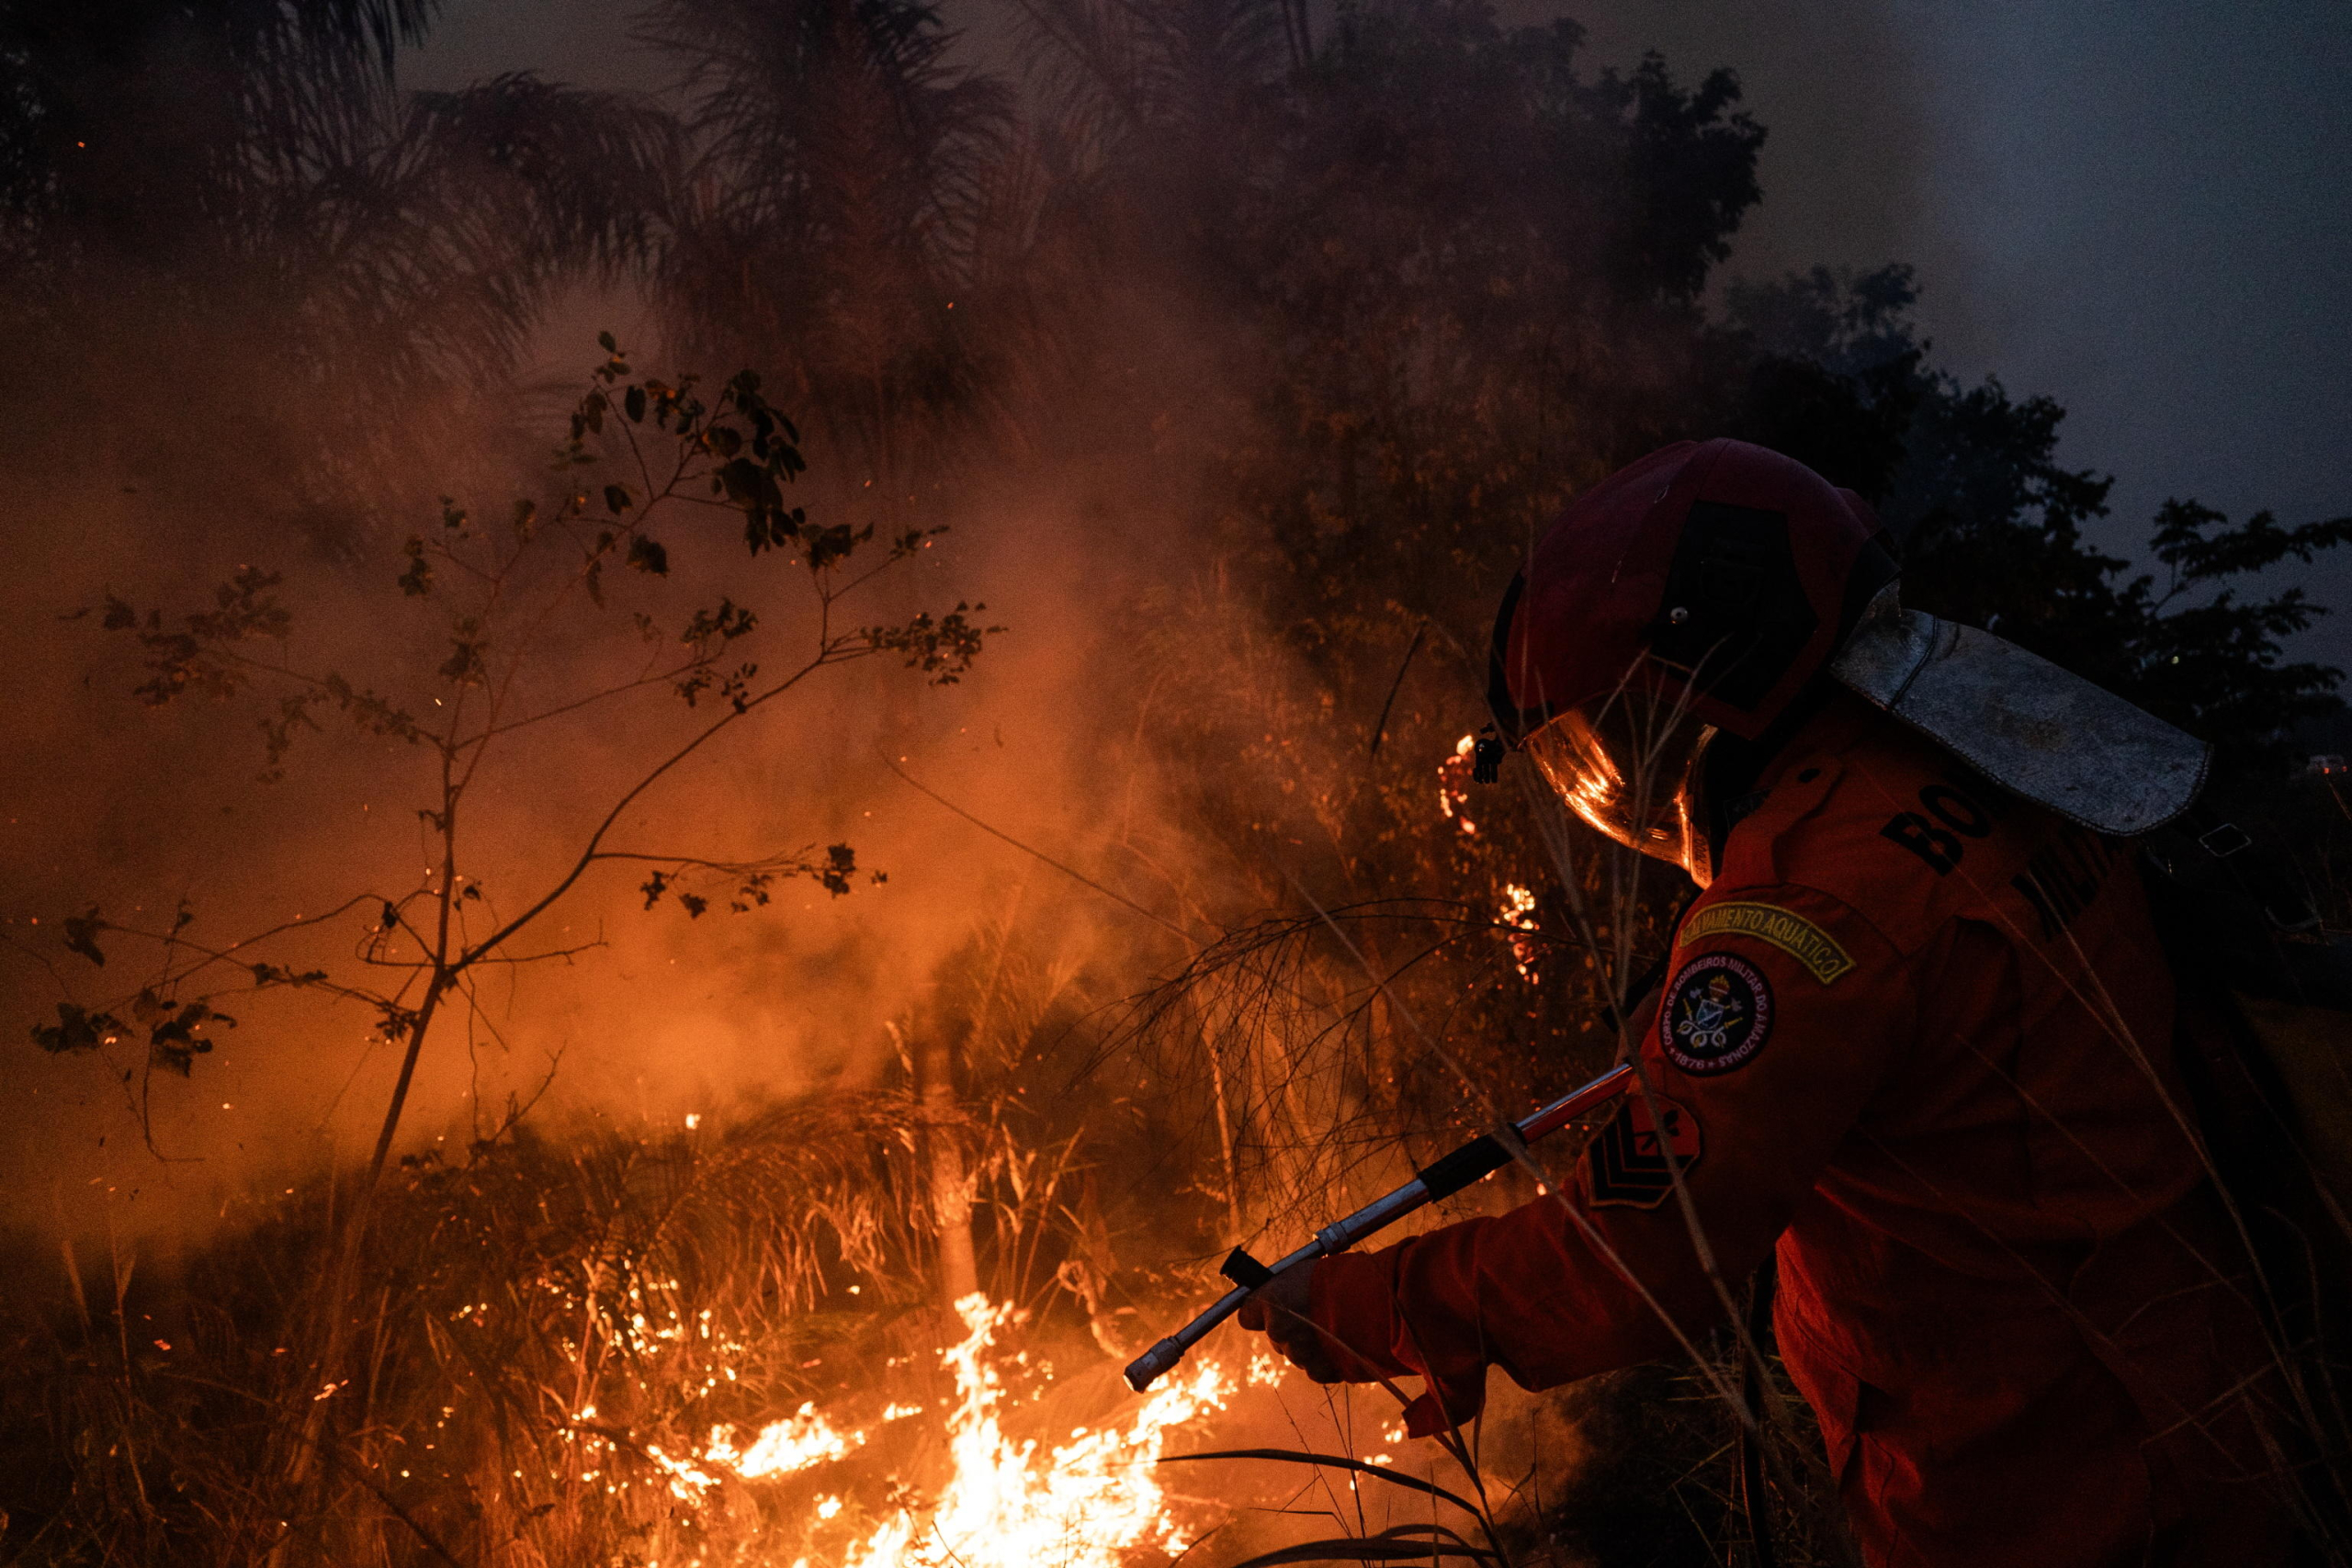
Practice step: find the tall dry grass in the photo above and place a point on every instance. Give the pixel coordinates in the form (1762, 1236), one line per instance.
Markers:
(549, 1328)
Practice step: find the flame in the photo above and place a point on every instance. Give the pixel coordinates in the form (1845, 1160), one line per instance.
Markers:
(1454, 784)
(1518, 912)
(1085, 1503)
(795, 1443)
(1088, 1501)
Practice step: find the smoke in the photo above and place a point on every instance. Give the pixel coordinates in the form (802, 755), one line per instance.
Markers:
(130, 809)
(1139, 679)
(2127, 210)
(127, 810)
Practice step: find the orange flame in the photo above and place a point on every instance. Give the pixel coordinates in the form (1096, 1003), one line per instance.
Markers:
(1085, 1503)
(1088, 1501)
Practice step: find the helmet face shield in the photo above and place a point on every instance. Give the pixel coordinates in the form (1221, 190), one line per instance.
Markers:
(1628, 764)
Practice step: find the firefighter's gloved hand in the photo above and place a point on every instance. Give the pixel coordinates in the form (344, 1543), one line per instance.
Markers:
(1280, 1311)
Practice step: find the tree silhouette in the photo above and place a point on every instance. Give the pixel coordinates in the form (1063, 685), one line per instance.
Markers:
(1993, 524)
(843, 199)
(189, 185)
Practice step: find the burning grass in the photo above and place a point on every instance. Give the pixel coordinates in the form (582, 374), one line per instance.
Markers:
(723, 1341)
(554, 1338)
(700, 1346)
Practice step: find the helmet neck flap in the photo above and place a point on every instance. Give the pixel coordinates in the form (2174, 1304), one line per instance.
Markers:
(2037, 730)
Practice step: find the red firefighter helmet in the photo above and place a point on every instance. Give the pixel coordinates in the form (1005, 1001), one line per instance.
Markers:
(1699, 591)
(1713, 573)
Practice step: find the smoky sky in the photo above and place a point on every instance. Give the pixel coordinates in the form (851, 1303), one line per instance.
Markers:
(2139, 209)
(2136, 209)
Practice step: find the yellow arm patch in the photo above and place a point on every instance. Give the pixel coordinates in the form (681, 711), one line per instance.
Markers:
(1783, 928)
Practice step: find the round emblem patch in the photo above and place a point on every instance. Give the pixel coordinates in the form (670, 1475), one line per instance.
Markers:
(1718, 1013)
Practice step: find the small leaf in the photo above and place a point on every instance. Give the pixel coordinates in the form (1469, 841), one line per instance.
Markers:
(175, 1044)
(634, 400)
(77, 1029)
(606, 341)
(81, 936)
(618, 499)
(646, 555)
(417, 581)
(464, 667)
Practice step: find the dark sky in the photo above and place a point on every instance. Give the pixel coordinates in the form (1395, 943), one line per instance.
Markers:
(2136, 208)
(2139, 208)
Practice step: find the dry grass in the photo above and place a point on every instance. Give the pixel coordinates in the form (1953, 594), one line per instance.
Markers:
(676, 1282)
(540, 1312)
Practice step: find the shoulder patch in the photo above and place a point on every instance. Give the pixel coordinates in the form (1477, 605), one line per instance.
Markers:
(1626, 1166)
(1783, 928)
(1716, 1016)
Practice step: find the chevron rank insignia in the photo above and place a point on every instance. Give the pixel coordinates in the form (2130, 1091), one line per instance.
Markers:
(1626, 1166)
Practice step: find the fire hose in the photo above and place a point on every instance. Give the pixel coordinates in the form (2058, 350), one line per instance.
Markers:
(1480, 1158)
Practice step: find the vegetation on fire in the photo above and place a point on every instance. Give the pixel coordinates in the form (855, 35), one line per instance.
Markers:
(643, 457)
(1347, 317)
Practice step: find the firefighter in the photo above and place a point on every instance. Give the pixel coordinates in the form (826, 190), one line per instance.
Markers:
(1915, 1043)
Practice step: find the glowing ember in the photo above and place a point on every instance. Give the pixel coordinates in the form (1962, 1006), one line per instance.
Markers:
(1519, 913)
(1454, 784)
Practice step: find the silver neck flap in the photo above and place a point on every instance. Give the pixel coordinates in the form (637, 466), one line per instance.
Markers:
(2035, 730)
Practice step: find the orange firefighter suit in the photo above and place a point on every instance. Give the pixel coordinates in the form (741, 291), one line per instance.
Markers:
(1916, 1037)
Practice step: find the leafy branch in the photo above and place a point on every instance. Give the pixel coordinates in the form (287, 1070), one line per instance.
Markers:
(645, 468)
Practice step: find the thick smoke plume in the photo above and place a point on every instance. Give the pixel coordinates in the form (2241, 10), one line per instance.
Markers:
(984, 327)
